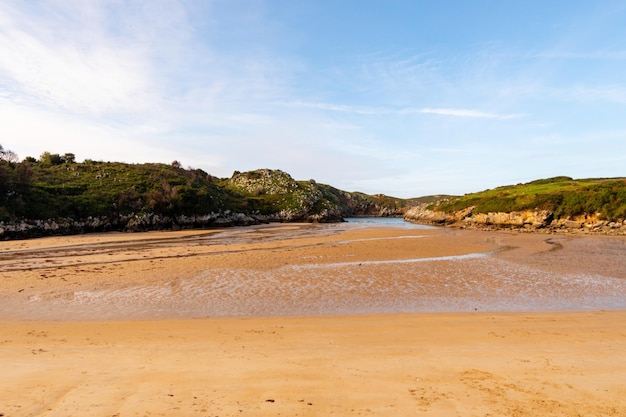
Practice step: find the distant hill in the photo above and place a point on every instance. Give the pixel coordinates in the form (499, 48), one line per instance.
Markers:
(96, 195)
(559, 202)
(57, 195)
(429, 199)
(564, 196)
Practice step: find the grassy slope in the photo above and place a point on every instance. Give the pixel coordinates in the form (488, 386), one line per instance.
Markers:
(564, 196)
(92, 188)
(36, 190)
(79, 190)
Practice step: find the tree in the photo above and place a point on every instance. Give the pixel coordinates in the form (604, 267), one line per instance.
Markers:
(48, 158)
(69, 158)
(8, 156)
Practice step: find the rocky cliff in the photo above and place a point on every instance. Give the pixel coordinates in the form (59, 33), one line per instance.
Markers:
(531, 220)
(26, 229)
(277, 196)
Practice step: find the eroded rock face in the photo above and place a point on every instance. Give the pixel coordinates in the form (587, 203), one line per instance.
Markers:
(26, 229)
(308, 201)
(528, 220)
(532, 218)
(420, 214)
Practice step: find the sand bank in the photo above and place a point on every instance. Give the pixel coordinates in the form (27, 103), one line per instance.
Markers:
(263, 321)
(558, 364)
(279, 270)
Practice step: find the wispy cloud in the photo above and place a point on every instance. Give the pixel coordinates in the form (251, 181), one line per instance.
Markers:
(602, 54)
(468, 113)
(137, 66)
(455, 112)
(585, 93)
(171, 79)
(453, 150)
(342, 108)
(56, 60)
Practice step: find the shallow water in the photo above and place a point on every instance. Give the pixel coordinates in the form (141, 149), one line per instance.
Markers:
(384, 222)
(455, 284)
(475, 282)
(478, 281)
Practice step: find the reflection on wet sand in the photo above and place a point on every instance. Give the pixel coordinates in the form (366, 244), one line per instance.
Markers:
(279, 270)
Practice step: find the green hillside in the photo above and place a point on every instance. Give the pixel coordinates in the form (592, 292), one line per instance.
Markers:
(564, 196)
(56, 186)
(41, 190)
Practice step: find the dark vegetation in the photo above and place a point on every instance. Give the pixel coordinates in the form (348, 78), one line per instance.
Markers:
(429, 199)
(56, 186)
(564, 196)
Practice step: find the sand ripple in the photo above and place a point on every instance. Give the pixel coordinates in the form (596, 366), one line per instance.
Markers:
(283, 270)
(473, 282)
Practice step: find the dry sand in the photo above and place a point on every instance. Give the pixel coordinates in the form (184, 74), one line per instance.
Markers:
(130, 334)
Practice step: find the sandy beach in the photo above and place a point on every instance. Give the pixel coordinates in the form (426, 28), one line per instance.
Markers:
(314, 320)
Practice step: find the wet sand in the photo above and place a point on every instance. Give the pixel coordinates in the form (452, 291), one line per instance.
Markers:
(286, 270)
(313, 320)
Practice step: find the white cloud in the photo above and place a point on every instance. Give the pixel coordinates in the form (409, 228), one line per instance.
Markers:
(469, 113)
(70, 64)
(223, 89)
(466, 113)
(338, 107)
(29, 132)
(602, 54)
(584, 93)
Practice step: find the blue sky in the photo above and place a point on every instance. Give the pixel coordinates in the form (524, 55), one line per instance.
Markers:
(405, 98)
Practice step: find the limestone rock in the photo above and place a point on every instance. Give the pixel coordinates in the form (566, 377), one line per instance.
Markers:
(533, 218)
(420, 214)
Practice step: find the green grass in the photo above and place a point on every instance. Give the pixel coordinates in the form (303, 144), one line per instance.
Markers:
(56, 188)
(564, 196)
(80, 190)
(59, 187)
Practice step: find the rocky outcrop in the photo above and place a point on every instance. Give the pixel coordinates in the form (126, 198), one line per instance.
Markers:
(421, 214)
(527, 218)
(357, 204)
(306, 201)
(589, 223)
(264, 181)
(26, 229)
(531, 220)
(69, 198)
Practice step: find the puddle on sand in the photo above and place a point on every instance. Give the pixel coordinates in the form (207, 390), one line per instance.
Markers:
(473, 282)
